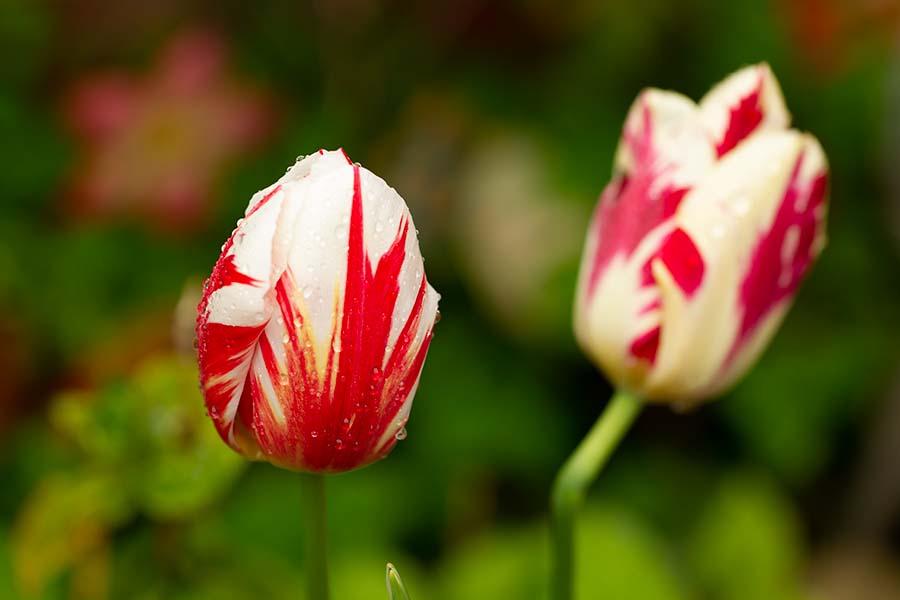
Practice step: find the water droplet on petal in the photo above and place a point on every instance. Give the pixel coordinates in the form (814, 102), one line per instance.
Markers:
(307, 291)
(401, 434)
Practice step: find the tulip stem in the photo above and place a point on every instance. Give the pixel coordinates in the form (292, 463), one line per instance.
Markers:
(316, 537)
(574, 478)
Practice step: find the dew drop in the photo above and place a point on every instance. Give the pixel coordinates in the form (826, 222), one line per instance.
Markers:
(338, 443)
(336, 344)
(379, 226)
(437, 317)
(285, 338)
(313, 434)
(401, 434)
(340, 231)
(307, 291)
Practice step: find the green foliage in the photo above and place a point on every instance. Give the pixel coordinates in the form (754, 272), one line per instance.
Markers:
(746, 544)
(617, 556)
(145, 447)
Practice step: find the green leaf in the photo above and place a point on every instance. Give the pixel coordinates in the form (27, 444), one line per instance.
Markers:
(396, 589)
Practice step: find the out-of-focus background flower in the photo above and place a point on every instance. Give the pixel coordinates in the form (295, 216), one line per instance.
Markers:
(134, 134)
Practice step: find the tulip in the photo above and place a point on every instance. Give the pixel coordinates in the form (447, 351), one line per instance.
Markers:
(315, 322)
(714, 214)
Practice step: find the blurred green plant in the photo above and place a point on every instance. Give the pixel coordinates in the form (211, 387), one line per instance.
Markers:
(144, 447)
(746, 544)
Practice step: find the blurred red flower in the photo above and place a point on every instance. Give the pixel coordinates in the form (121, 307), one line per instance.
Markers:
(829, 33)
(153, 145)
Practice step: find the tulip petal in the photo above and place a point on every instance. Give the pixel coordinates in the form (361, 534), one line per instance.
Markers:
(663, 153)
(747, 102)
(235, 309)
(732, 216)
(782, 255)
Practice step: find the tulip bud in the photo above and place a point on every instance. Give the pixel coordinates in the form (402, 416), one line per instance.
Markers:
(714, 214)
(315, 322)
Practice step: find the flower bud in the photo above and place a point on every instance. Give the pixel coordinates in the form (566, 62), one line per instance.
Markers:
(315, 322)
(714, 214)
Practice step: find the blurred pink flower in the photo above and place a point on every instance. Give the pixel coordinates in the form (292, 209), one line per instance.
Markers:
(153, 145)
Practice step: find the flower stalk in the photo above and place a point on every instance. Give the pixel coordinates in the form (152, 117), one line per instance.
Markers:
(316, 516)
(574, 479)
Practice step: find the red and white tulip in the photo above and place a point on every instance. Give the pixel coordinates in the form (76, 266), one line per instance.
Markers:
(316, 319)
(715, 213)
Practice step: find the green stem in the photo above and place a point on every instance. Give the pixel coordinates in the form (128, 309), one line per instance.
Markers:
(316, 537)
(573, 480)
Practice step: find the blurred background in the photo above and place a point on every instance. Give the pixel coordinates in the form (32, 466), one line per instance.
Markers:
(134, 134)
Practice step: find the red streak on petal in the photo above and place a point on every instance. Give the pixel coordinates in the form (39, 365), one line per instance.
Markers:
(651, 306)
(629, 209)
(770, 279)
(682, 258)
(646, 345)
(229, 274)
(743, 119)
(265, 199)
(223, 349)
